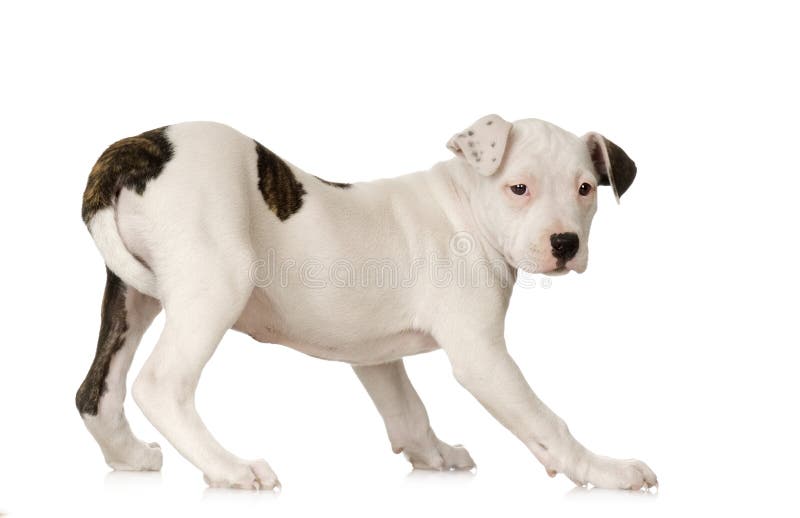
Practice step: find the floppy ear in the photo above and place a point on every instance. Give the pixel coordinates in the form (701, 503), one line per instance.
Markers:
(483, 144)
(612, 164)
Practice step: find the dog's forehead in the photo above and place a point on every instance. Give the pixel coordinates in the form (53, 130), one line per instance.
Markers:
(539, 143)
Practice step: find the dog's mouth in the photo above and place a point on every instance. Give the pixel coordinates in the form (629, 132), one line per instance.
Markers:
(561, 270)
(558, 269)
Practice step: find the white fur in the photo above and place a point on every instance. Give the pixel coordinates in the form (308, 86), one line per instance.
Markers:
(103, 228)
(205, 232)
(121, 448)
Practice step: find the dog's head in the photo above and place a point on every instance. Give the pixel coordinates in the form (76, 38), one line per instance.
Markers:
(534, 192)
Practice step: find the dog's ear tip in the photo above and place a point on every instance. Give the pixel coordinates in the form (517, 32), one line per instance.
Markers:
(482, 144)
(612, 164)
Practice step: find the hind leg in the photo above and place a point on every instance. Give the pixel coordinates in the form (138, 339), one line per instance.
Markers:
(126, 315)
(198, 314)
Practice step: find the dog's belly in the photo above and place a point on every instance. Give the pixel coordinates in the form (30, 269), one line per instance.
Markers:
(327, 338)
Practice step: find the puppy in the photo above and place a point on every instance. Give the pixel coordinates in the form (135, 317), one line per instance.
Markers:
(221, 233)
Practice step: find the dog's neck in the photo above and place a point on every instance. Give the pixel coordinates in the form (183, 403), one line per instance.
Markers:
(461, 183)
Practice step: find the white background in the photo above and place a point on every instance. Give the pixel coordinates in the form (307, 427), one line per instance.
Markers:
(678, 345)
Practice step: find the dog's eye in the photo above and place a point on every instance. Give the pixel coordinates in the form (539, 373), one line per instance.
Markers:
(584, 189)
(519, 189)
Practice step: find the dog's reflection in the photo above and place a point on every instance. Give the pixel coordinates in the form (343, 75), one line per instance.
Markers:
(423, 476)
(223, 494)
(126, 479)
(584, 493)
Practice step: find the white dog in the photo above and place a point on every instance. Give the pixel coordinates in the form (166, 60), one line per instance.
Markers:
(223, 234)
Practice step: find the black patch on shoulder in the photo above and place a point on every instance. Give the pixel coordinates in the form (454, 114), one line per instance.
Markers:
(113, 326)
(277, 183)
(129, 163)
(338, 185)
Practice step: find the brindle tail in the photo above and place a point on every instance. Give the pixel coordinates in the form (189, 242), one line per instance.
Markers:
(129, 163)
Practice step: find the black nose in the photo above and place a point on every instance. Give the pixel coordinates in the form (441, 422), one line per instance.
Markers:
(565, 245)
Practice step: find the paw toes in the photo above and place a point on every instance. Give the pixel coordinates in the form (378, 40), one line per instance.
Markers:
(460, 459)
(608, 473)
(429, 460)
(265, 477)
(440, 457)
(636, 475)
(649, 478)
(137, 456)
(635, 485)
(253, 475)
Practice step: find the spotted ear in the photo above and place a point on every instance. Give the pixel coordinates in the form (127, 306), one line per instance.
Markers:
(613, 165)
(483, 144)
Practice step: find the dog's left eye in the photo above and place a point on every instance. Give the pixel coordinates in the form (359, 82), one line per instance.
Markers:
(519, 189)
(584, 189)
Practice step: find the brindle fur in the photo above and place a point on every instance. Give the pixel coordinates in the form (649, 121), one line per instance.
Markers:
(113, 327)
(129, 163)
(278, 185)
(338, 185)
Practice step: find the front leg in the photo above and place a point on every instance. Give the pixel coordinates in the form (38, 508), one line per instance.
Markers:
(406, 419)
(492, 376)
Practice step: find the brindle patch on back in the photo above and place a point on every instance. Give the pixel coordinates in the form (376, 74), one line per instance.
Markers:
(113, 326)
(338, 185)
(129, 163)
(278, 185)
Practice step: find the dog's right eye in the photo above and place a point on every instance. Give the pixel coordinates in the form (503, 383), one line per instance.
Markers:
(519, 189)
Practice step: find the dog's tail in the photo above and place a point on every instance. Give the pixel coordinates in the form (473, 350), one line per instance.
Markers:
(127, 163)
(104, 230)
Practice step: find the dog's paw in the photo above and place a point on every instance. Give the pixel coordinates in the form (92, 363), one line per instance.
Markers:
(254, 475)
(608, 473)
(137, 456)
(437, 455)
